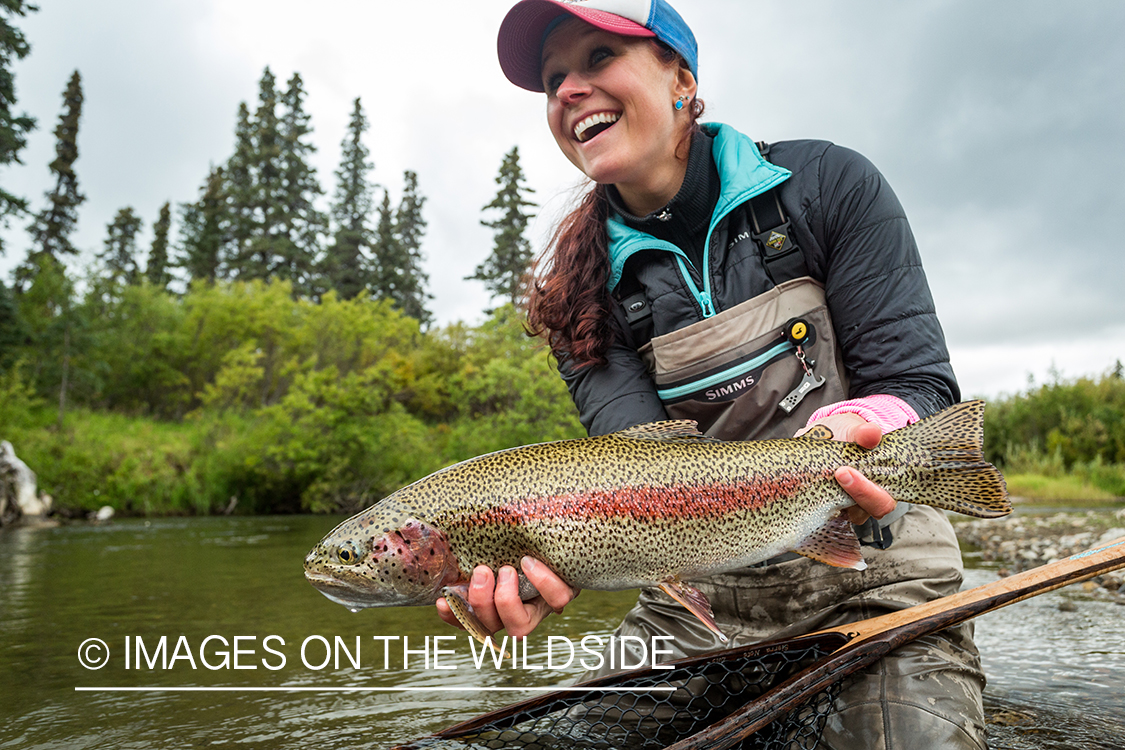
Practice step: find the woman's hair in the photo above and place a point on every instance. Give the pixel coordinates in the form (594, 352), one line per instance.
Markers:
(568, 301)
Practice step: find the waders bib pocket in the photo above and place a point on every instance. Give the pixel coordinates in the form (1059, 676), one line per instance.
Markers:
(758, 370)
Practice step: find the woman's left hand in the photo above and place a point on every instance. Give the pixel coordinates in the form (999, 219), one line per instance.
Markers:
(870, 498)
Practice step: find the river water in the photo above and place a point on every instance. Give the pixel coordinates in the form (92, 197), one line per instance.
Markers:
(200, 620)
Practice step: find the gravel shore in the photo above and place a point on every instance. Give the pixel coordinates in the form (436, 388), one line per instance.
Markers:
(1028, 540)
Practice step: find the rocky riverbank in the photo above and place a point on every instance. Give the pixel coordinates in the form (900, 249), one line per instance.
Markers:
(1024, 541)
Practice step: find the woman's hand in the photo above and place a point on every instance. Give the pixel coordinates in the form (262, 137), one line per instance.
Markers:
(870, 498)
(497, 604)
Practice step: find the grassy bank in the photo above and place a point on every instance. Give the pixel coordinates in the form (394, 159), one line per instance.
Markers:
(1066, 490)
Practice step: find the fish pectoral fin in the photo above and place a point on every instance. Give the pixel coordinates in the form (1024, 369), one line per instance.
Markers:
(834, 543)
(694, 601)
(819, 432)
(468, 619)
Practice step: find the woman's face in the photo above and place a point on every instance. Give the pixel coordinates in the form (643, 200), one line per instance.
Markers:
(610, 107)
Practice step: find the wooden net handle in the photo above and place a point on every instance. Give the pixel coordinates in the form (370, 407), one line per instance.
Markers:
(872, 639)
(999, 593)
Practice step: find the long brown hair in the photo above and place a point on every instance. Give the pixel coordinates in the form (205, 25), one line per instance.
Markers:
(568, 302)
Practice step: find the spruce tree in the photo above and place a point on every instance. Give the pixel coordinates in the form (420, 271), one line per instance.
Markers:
(384, 251)
(504, 271)
(119, 258)
(156, 271)
(346, 268)
(302, 225)
(261, 258)
(411, 292)
(238, 190)
(13, 128)
(12, 333)
(272, 188)
(398, 274)
(52, 324)
(207, 229)
(53, 225)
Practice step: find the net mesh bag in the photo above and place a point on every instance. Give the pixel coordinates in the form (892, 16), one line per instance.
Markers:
(624, 713)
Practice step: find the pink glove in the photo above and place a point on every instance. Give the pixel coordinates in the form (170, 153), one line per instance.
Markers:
(889, 412)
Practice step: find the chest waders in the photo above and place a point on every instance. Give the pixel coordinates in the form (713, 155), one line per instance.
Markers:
(760, 369)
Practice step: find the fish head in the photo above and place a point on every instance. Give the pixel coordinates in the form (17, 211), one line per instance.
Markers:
(367, 562)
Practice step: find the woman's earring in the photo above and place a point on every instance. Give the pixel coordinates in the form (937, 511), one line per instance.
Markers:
(680, 103)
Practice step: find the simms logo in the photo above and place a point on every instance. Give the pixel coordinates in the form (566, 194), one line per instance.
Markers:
(730, 389)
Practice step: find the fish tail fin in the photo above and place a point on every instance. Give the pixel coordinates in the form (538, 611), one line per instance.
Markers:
(952, 474)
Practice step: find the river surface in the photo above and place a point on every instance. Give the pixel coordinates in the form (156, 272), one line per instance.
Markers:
(227, 599)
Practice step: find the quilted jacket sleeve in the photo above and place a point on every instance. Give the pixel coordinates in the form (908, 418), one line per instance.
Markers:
(877, 291)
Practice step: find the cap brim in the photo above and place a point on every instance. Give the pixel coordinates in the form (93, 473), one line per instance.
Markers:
(520, 42)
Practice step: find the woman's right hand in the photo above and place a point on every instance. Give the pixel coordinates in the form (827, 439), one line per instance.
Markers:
(496, 599)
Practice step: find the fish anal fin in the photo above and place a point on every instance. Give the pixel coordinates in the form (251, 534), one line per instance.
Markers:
(819, 432)
(834, 543)
(465, 615)
(672, 430)
(694, 601)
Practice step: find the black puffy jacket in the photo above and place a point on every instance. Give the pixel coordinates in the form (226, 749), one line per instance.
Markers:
(856, 242)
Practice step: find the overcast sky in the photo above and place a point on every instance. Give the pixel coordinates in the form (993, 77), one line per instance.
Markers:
(1000, 124)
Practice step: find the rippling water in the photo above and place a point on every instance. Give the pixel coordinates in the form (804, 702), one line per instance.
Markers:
(211, 586)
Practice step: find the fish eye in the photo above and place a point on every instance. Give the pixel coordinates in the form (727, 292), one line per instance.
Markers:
(346, 553)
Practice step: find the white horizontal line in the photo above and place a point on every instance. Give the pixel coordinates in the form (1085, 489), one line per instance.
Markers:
(368, 689)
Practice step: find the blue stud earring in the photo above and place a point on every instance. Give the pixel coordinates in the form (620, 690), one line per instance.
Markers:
(680, 103)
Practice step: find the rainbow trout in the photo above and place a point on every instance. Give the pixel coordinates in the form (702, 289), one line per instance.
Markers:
(653, 505)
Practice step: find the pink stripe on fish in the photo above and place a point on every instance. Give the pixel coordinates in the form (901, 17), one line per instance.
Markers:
(645, 503)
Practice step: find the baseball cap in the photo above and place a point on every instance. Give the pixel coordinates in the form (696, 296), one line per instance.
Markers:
(520, 42)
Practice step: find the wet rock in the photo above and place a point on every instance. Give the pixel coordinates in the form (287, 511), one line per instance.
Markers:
(18, 494)
(102, 514)
(1028, 541)
(1111, 535)
(1066, 605)
(1010, 718)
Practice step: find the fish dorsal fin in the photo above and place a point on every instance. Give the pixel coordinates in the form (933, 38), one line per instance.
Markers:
(820, 432)
(674, 430)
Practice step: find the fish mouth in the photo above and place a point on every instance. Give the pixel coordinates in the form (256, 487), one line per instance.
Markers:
(593, 125)
(354, 596)
(340, 592)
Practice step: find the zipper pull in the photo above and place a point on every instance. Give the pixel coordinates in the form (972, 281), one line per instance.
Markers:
(705, 303)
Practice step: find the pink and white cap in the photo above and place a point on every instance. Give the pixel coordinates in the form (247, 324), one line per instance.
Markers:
(520, 42)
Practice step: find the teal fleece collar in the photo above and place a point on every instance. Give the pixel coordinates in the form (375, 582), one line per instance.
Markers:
(743, 174)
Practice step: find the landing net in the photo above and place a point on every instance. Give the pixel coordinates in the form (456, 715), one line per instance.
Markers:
(706, 690)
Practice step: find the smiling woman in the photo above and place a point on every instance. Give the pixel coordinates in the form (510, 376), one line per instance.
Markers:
(607, 108)
(759, 290)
